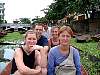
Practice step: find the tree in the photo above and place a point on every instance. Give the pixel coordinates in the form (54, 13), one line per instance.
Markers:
(39, 20)
(5, 21)
(60, 8)
(16, 21)
(25, 21)
(56, 10)
(1, 21)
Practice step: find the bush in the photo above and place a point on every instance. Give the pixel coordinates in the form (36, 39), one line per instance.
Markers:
(90, 56)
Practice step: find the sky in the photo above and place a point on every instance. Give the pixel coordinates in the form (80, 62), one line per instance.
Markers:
(15, 9)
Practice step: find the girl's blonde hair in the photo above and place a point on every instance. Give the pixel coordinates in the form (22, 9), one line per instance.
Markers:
(29, 32)
(66, 28)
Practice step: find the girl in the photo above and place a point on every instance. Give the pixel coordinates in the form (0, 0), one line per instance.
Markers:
(27, 57)
(54, 40)
(64, 59)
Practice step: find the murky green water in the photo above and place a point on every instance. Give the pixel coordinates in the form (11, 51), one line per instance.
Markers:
(7, 52)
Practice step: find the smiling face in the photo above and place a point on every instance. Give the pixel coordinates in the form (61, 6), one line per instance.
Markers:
(54, 32)
(64, 38)
(65, 34)
(30, 39)
(38, 29)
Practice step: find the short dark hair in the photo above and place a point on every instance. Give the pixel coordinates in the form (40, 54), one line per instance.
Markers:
(53, 27)
(39, 24)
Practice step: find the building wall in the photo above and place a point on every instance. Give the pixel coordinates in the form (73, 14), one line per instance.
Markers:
(87, 26)
(80, 26)
(94, 26)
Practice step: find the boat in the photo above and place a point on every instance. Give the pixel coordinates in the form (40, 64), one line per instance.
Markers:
(7, 69)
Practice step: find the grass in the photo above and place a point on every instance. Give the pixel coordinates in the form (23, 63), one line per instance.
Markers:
(90, 47)
(12, 37)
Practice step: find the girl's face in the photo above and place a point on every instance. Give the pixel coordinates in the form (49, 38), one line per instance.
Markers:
(54, 32)
(64, 38)
(31, 40)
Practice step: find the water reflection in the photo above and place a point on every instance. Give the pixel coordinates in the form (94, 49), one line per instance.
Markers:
(7, 52)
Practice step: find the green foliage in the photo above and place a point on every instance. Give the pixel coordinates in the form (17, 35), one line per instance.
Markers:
(15, 22)
(1, 21)
(25, 21)
(40, 20)
(89, 49)
(56, 10)
(60, 8)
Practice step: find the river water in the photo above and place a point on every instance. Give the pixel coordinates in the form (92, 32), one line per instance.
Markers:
(7, 53)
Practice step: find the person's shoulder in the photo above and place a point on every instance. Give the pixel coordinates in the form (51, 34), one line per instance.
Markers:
(75, 50)
(18, 52)
(17, 49)
(54, 49)
(43, 37)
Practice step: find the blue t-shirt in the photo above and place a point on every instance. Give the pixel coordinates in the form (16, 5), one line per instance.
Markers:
(43, 41)
(55, 57)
